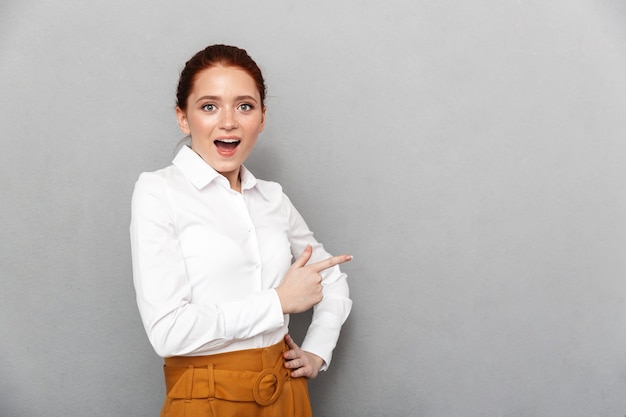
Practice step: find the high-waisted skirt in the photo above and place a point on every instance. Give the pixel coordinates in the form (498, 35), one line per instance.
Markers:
(246, 383)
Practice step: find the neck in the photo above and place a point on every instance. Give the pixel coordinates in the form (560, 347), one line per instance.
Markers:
(234, 178)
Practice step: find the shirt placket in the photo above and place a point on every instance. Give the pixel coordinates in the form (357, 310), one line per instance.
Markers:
(252, 251)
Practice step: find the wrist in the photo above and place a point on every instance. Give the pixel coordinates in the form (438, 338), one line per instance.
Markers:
(317, 361)
(282, 300)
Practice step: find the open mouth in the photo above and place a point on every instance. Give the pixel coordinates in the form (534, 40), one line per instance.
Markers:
(226, 145)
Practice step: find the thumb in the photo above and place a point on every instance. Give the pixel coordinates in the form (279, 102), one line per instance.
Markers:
(303, 258)
(290, 343)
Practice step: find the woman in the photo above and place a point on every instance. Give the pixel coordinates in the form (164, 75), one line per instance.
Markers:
(212, 248)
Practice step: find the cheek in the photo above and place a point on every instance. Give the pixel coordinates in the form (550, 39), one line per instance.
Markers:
(201, 125)
(256, 126)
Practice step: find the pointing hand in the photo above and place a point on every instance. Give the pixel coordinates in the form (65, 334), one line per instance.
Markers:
(301, 287)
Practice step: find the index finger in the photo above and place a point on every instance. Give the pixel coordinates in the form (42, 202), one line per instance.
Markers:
(329, 262)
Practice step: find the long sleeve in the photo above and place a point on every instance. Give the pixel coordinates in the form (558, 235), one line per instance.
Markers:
(330, 314)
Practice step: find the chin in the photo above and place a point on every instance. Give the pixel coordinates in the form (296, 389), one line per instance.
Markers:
(226, 169)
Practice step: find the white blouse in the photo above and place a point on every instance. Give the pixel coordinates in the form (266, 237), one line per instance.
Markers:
(206, 260)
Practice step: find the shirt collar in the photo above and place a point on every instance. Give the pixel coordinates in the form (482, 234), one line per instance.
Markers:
(248, 180)
(196, 170)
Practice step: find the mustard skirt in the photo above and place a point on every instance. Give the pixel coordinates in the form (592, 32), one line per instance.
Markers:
(246, 383)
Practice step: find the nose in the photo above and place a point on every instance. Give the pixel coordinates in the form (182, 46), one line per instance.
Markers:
(228, 120)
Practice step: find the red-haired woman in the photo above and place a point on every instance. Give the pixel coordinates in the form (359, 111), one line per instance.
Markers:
(212, 250)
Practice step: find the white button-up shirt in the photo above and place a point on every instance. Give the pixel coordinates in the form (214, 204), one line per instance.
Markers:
(206, 260)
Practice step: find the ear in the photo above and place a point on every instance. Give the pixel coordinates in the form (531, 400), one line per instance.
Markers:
(183, 123)
(262, 120)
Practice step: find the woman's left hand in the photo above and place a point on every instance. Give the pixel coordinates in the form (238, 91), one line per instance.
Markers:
(303, 363)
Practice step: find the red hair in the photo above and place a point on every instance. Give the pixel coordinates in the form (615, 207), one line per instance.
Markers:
(212, 56)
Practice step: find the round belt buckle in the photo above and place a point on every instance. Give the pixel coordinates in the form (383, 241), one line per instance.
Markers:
(255, 389)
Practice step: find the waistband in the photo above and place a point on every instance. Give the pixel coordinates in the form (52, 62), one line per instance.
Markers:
(247, 375)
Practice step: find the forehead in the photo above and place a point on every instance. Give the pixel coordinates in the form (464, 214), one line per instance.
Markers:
(224, 81)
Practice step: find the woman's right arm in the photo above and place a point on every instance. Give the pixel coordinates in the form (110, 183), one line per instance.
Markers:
(174, 324)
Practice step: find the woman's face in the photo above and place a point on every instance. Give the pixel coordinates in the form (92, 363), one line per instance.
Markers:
(224, 116)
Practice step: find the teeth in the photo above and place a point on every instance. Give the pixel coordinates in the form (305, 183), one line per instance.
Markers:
(228, 140)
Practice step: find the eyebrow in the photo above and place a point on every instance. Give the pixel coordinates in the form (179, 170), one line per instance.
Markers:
(216, 98)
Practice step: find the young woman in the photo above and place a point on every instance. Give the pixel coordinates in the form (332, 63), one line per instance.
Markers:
(212, 250)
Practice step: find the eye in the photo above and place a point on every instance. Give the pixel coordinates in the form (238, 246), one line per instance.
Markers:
(245, 107)
(208, 107)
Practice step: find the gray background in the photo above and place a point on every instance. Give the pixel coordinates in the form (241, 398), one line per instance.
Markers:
(469, 154)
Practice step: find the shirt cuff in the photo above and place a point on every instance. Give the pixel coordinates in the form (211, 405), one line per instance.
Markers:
(323, 333)
(253, 315)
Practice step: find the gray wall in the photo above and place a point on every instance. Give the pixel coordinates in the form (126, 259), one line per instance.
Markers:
(469, 154)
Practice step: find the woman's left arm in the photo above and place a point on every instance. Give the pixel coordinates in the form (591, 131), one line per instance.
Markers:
(330, 314)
